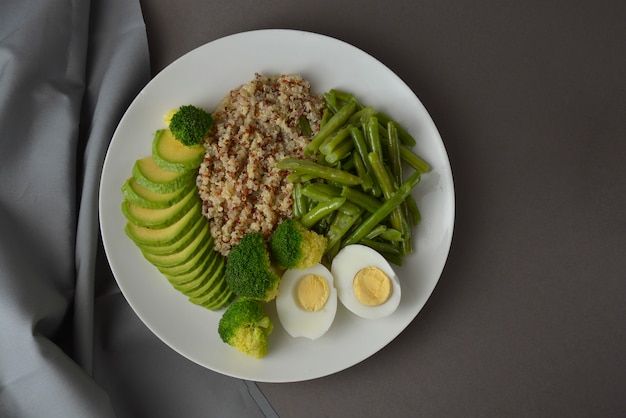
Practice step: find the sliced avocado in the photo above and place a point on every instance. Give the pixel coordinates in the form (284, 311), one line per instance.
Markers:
(216, 302)
(189, 236)
(140, 196)
(159, 218)
(149, 175)
(164, 236)
(191, 275)
(211, 281)
(181, 255)
(189, 264)
(193, 287)
(171, 155)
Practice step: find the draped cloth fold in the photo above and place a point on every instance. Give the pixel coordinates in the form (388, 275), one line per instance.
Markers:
(70, 346)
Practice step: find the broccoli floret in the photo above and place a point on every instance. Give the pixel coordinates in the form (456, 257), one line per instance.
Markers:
(249, 271)
(294, 246)
(190, 124)
(246, 326)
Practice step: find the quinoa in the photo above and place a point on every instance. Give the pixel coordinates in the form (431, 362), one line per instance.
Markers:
(256, 126)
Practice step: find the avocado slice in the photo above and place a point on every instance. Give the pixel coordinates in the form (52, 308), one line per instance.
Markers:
(171, 155)
(164, 236)
(182, 254)
(159, 218)
(145, 198)
(194, 286)
(212, 278)
(200, 223)
(217, 301)
(149, 175)
(191, 263)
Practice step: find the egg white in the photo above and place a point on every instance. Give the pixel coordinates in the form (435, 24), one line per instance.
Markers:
(294, 319)
(347, 264)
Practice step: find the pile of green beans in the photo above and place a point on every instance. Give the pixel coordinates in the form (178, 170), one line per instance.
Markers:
(354, 185)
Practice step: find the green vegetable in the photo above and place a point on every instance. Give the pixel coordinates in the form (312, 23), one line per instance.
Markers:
(245, 326)
(352, 188)
(334, 123)
(293, 246)
(386, 208)
(190, 124)
(318, 171)
(249, 272)
(321, 210)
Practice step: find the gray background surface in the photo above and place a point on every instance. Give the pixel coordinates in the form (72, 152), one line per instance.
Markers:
(530, 99)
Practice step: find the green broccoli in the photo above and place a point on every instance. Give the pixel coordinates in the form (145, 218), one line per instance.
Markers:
(246, 326)
(294, 246)
(249, 271)
(189, 124)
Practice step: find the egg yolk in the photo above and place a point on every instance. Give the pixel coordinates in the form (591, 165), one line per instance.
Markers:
(372, 287)
(313, 292)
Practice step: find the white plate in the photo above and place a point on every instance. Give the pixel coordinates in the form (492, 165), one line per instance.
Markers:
(202, 77)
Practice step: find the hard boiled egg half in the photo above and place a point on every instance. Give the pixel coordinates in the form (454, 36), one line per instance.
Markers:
(307, 301)
(366, 283)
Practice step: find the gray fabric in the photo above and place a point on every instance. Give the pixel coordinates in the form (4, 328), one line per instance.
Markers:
(70, 346)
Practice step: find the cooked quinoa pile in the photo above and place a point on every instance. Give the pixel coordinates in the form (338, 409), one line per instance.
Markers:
(256, 125)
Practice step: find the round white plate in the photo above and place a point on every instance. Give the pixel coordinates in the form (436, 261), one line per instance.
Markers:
(202, 77)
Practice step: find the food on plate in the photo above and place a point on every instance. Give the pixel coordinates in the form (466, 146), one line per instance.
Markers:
(355, 179)
(307, 301)
(249, 272)
(256, 125)
(189, 124)
(245, 326)
(294, 246)
(171, 155)
(366, 283)
(164, 219)
(253, 203)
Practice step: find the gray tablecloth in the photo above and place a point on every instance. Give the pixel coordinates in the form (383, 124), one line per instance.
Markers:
(69, 344)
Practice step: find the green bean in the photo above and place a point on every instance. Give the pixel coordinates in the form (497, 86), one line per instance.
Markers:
(326, 114)
(340, 152)
(395, 160)
(361, 171)
(340, 226)
(325, 193)
(376, 231)
(404, 136)
(334, 141)
(361, 147)
(299, 204)
(347, 165)
(334, 123)
(413, 211)
(406, 245)
(330, 99)
(361, 116)
(321, 210)
(372, 134)
(388, 188)
(385, 209)
(346, 97)
(318, 170)
(361, 199)
(322, 226)
(381, 247)
(391, 234)
(324, 188)
(414, 160)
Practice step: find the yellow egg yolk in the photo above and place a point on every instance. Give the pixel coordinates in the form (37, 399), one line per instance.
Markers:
(312, 292)
(372, 287)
